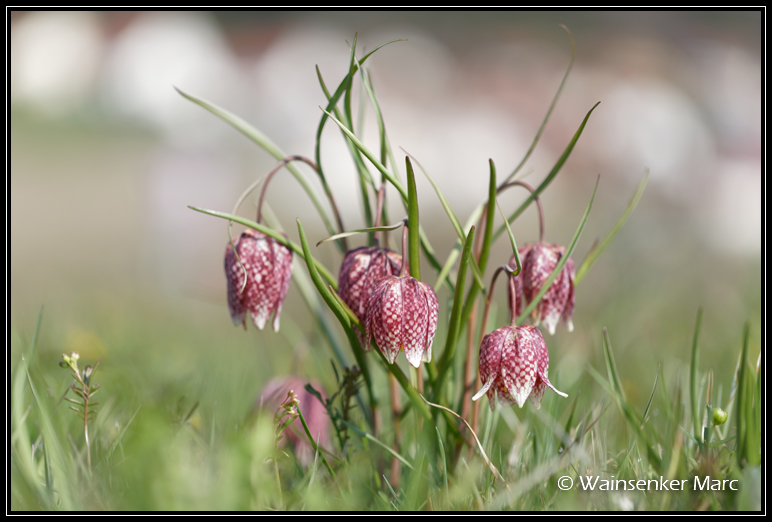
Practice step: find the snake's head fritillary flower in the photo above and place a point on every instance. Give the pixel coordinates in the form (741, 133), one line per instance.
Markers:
(402, 315)
(513, 365)
(360, 271)
(268, 266)
(314, 413)
(539, 260)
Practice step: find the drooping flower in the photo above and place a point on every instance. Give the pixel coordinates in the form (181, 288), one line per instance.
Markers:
(539, 260)
(268, 266)
(513, 365)
(314, 413)
(360, 271)
(402, 315)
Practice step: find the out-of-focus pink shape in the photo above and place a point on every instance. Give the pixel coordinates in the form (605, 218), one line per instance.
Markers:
(274, 393)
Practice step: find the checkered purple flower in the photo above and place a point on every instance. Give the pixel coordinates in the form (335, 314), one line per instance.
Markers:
(402, 315)
(539, 260)
(268, 266)
(513, 365)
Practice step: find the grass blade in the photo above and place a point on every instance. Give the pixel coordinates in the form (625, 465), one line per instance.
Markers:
(554, 172)
(651, 397)
(593, 255)
(696, 428)
(454, 325)
(372, 439)
(549, 111)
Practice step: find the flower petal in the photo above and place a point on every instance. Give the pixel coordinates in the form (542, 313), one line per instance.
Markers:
(519, 366)
(415, 315)
(433, 308)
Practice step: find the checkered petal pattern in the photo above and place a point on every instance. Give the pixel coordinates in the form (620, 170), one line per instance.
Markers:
(268, 267)
(401, 314)
(513, 366)
(539, 260)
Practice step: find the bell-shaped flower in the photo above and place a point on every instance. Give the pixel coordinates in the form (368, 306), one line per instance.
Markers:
(402, 315)
(268, 266)
(539, 260)
(360, 271)
(513, 365)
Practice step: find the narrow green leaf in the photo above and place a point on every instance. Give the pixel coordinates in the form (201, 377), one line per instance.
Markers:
(651, 397)
(428, 251)
(372, 439)
(456, 225)
(313, 442)
(549, 111)
(413, 223)
(694, 396)
(274, 234)
(369, 155)
(454, 325)
(563, 260)
(554, 172)
(361, 231)
(740, 400)
(611, 367)
(597, 250)
(444, 462)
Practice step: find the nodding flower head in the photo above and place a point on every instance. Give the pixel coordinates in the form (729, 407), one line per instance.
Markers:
(513, 365)
(360, 271)
(402, 314)
(539, 260)
(268, 266)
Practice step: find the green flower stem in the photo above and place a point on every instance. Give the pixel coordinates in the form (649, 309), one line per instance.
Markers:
(272, 233)
(563, 260)
(317, 449)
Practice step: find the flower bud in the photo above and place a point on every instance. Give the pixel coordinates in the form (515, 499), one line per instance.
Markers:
(719, 416)
(268, 266)
(539, 260)
(513, 365)
(402, 315)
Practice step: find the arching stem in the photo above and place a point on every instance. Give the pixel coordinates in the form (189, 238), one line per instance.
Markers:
(538, 202)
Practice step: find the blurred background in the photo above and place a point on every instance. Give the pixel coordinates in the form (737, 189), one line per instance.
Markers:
(106, 156)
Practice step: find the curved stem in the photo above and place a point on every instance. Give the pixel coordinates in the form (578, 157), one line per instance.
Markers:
(502, 268)
(314, 166)
(538, 202)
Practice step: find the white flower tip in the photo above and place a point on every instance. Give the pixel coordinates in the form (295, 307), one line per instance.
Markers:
(570, 325)
(484, 389)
